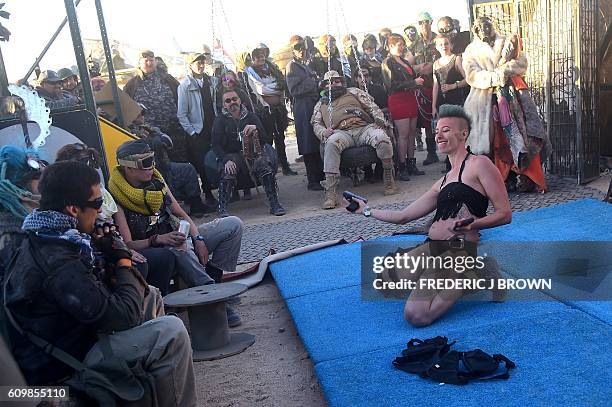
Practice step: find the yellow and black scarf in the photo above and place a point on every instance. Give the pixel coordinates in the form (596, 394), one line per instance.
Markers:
(144, 201)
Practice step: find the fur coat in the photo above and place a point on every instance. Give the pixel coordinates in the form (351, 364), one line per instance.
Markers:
(484, 73)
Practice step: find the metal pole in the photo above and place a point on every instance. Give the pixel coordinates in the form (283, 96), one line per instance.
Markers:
(578, 85)
(79, 52)
(44, 51)
(3, 77)
(109, 63)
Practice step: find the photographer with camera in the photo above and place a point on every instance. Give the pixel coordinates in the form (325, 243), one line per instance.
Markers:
(66, 308)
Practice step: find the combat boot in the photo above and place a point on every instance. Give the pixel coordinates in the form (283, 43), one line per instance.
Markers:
(269, 184)
(404, 174)
(431, 158)
(389, 181)
(412, 168)
(330, 184)
(226, 187)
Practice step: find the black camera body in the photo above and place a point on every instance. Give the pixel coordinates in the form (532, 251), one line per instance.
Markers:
(353, 204)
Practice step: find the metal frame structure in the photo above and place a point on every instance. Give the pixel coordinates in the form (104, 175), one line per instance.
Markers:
(560, 38)
(81, 59)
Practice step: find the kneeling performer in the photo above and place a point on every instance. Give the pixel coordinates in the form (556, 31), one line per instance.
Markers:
(463, 193)
(353, 120)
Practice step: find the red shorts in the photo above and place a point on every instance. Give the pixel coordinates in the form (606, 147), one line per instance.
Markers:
(403, 105)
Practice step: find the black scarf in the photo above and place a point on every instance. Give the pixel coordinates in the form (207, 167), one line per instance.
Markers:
(335, 94)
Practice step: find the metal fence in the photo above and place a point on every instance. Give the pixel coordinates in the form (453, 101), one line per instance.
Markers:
(560, 40)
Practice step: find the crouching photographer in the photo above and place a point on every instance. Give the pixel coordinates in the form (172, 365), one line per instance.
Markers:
(70, 320)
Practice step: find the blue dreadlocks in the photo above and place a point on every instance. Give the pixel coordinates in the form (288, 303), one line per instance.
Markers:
(14, 168)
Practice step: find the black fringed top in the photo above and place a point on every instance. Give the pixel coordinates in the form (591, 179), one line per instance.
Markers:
(455, 194)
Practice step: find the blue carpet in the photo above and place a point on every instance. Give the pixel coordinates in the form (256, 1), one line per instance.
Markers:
(334, 324)
(559, 346)
(326, 269)
(562, 358)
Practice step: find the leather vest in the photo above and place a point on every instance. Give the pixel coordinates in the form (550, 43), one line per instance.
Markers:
(143, 226)
(347, 113)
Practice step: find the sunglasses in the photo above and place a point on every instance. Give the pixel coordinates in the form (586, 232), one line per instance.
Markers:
(144, 161)
(445, 30)
(232, 99)
(299, 47)
(336, 80)
(228, 79)
(424, 22)
(95, 204)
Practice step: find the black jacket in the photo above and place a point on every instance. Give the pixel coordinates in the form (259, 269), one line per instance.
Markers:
(58, 297)
(396, 77)
(225, 137)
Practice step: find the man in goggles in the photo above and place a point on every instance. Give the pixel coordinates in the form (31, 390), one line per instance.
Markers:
(144, 161)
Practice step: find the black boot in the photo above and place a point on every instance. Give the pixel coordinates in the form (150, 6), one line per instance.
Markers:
(403, 174)
(226, 187)
(269, 184)
(432, 157)
(287, 169)
(412, 168)
(198, 208)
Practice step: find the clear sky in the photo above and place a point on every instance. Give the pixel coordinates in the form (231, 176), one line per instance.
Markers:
(171, 26)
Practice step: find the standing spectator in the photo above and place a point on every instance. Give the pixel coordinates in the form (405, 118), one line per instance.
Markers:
(70, 83)
(243, 61)
(383, 36)
(161, 65)
(371, 59)
(507, 126)
(196, 113)
(424, 54)
(328, 54)
(460, 40)
(97, 82)
(351, 53)
(376, 91)
(303, 88)
(450, 86)
(402, 83)
(159, 93)
(230, 81)
(50, 88)
(268, 85)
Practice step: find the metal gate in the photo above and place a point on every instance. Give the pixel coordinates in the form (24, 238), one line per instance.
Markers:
(561, 42)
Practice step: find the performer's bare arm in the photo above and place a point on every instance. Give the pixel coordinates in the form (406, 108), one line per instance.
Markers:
(426, 204)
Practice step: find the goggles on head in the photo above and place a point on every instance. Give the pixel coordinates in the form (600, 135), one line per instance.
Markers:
(145, 161)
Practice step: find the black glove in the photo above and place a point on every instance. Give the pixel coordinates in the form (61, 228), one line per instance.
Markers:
(109, 242)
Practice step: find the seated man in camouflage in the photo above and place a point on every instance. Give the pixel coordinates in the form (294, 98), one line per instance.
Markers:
(354, 120)
(182, 178)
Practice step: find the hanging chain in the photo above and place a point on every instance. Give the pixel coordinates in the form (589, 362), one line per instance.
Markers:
(329, 88)
(341, 10)
(235, 51)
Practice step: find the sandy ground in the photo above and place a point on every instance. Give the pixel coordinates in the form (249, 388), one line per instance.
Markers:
(276, 370)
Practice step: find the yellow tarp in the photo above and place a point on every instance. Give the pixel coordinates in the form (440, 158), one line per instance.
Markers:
(112, 137)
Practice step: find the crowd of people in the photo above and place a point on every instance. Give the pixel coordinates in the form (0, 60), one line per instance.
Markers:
(84, 264)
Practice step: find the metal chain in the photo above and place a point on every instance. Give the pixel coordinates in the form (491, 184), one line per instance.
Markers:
(235, 50)
(329, 88)
(359, 69)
